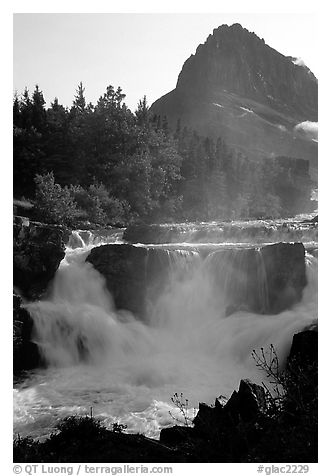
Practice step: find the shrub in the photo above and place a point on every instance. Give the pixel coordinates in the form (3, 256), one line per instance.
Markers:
(183, 407)
(96, 205)
(54, 204)
(290, 426)
(89, 204)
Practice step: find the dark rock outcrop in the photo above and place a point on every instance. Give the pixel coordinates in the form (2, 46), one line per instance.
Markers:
(124, 268)
(237, 87)
(264, 281)
(26, 354)
(245, 405)
(134, 275)
(38, 251)
(304, 349)
(176, 435)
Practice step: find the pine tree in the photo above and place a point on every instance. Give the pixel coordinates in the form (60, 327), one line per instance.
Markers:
(38, 110)
(142, 113)
(79, 102)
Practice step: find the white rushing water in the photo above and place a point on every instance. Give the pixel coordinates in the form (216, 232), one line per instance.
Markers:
(127, 371)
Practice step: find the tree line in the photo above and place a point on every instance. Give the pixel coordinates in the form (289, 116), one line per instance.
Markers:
(105, 164)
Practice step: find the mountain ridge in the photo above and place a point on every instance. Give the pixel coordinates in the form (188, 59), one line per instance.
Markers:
(238, 87)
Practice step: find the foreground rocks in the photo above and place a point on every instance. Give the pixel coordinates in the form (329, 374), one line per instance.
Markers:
(254, 426)
(38, 251)
(85, 440)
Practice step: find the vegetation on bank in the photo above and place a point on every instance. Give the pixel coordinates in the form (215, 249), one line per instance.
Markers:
(104, 164)
(280, 426)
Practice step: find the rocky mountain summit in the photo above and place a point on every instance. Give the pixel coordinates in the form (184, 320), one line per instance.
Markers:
(264, 104)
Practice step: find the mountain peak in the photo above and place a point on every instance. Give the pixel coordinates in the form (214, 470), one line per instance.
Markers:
(237, 60)
(254, 97)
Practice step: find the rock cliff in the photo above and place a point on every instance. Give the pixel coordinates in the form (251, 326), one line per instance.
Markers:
(235, 86)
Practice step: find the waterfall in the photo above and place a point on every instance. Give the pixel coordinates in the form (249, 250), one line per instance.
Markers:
(128, 369)
(87, 239)
(239, 274)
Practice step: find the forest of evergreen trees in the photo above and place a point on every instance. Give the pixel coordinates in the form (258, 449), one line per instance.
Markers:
(104, 164)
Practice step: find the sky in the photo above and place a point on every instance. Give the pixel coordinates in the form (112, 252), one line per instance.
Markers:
(143, 53)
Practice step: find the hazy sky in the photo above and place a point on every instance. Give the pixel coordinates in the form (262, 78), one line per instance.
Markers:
(142, 53)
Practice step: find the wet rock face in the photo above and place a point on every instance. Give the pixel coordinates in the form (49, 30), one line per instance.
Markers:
(265, 281)
(134, 275)
(285, 273)
(38, 251)
(304, 349)
(123, 267)
(26, 354)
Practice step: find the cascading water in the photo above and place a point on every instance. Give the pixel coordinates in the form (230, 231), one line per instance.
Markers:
(128, 370)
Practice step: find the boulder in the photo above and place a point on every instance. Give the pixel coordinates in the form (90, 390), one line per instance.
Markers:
(134, 275)
(245, 405)
(176, 435)
(123, 267)
(38, 251)
(267, 280)
(304, 349)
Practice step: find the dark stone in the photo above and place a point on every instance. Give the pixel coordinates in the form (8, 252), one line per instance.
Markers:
(176, 435)
(123, 267)
(134, 275)
(302, 377)
(251, 400)
(224, 433)
(286, 274)
(244, 405)
(261, 281)
(25, 352)
(207, 419)
(304, 349)
(38, 251)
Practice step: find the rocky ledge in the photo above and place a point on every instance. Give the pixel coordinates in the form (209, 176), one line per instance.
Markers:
(38, 251)
(136, 275)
